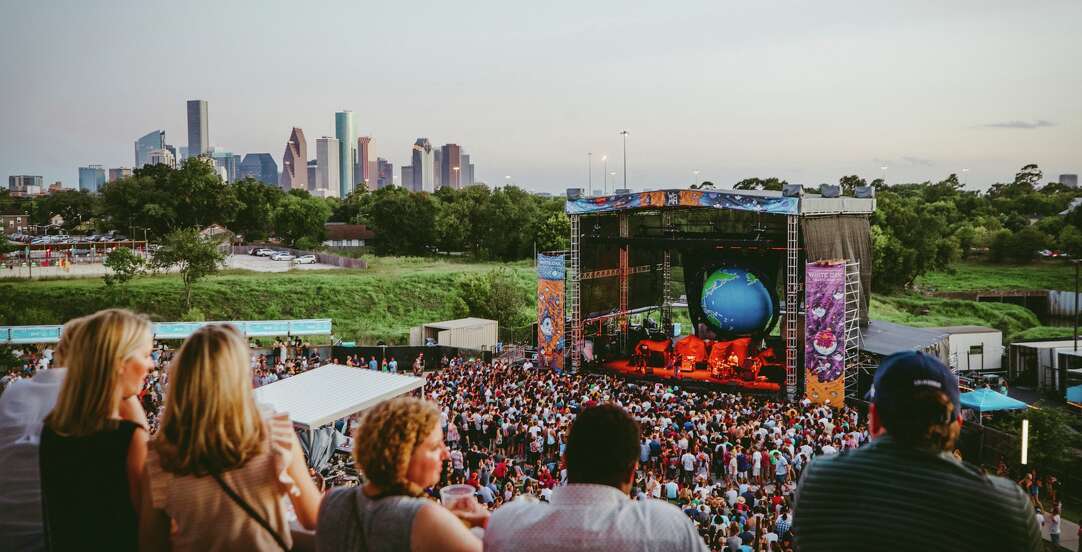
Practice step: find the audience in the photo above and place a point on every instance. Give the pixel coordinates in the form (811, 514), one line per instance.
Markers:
(94, 441)
(218, 470)
(399, 447)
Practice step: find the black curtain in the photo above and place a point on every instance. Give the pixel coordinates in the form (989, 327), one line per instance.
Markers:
(846, 237)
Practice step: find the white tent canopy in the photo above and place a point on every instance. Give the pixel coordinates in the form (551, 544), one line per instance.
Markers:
(319, 397)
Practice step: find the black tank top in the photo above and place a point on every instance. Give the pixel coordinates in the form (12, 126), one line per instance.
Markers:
(84, 490)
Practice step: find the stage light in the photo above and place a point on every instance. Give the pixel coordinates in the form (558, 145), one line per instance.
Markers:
(830, 190)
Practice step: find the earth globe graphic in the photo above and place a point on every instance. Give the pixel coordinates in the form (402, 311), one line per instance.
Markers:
(735, 301)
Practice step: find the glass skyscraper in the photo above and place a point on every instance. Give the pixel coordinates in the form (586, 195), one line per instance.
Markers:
(260, 166)
(91, 178)
(198, 136)
(154, 140)
(347, 150)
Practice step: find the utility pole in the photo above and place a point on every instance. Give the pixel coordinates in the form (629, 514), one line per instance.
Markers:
(624, 133)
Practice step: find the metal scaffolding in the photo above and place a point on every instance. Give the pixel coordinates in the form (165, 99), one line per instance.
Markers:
(666, 277)
(853, 335)
(573, 297)
(792, 302)
(624, 269)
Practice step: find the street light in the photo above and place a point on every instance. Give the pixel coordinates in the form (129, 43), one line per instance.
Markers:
(696, 173)
(624, 134)
(884, 169)
(457, 182)
(605, 173)
(965, 177)
(589, 173)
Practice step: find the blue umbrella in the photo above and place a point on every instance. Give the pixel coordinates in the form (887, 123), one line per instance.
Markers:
(1074, 394)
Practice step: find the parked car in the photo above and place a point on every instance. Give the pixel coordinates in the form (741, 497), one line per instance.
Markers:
(306, 259)
(263, 252)
(281, 256)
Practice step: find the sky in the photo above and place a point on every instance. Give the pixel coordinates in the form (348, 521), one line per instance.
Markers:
(714, 90)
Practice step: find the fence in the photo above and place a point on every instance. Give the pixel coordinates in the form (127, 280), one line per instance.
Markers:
(323, 258)
(405, 356)
(985, 446)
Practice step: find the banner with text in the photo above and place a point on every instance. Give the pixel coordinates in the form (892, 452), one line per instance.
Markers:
(550, 311)
(824, 332)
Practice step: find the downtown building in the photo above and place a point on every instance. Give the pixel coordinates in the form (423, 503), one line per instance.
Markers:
(347, 151)
(295, 163)
(423, 174)
(118, 173)
(165, 157)
(152, 141)
(450, 166)
(25, 185)
(384, 173)
(198, 134)
(260, 166)
(91, 178)
(226, 164)
(366, 170)
(328, 179)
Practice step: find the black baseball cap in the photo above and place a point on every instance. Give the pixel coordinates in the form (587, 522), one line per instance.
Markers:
(900, 373)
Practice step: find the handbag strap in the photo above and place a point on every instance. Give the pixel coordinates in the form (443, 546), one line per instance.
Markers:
(250, 511)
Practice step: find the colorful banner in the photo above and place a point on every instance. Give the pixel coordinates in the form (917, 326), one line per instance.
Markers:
(726, 199)
(550, 311)
(824, 332)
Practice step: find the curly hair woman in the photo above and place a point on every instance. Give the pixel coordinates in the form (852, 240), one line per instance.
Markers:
(399, 448)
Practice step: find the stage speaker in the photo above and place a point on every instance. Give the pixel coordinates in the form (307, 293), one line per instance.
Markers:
(574, 193)
(864, 192)
(792, 190)
(830, 190)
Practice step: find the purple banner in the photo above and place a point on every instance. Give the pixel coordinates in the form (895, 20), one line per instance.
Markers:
(824, 332)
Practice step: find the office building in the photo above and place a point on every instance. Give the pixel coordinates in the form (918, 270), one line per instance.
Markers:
(55, 187)
(328, 179)
(19, 184)
(1069, 180)
(437, 171)
(198, 135)
(260, 166)
(384, 173)
(295, 163)
(365, 171)
(347, 151)
(162, 157)
(313, 174)
(183, 154)
(226, 163)
(91, 178)
(154, 140)
(467, 170)
(451, 166)
(174, 152)
(423, 166)
(118, 173)
(406, 180)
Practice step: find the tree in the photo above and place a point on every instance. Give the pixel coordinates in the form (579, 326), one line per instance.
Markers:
(125, 265)
(299, 221)
(255, 218)
(74, 206)
(496, 295)
(773, 184)
(553, 233)
(196, 256)
(1070, 240)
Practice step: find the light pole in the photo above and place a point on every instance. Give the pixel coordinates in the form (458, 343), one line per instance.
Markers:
(965, 177)
(695, 180)
(457, 183)
(624, 134)
(605, 174)
(507, 181)
(884, 169)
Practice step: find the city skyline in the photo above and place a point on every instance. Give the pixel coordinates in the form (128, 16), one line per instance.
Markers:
(807, 94)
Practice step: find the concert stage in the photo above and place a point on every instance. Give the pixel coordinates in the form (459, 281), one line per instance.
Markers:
(625, 368)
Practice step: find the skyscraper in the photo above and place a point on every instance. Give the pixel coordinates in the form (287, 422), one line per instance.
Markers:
(227, 162)
(295, 163)
(365, 171)
(154, 140)
(313, 174)
(118, 173)
(1069, 180)
(260, 166)
(19, 184)
(328, 181)
(467, 170)
(407, 177)
(91, 178)
(384, 173)
(451, 166)
(162, 157)
(198, 135)
(423, 168)
(437, 171)
(347, 151)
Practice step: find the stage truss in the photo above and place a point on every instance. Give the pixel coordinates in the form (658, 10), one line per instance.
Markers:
(853, 334)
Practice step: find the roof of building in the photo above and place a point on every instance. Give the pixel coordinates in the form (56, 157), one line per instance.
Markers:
(1056, 344)
(460, 323)
(954, 330)
(885, 338)
(342, 231)
(319, 397)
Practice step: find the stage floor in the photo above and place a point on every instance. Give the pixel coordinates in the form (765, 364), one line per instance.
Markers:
(698, 376)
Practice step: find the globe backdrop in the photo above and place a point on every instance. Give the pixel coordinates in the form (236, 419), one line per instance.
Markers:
(735, 302)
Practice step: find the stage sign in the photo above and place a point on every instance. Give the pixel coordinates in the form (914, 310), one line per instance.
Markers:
(824, 333)
(310, 327)
(175, 330)
(734, 200)
(550, 311)
(32, 334)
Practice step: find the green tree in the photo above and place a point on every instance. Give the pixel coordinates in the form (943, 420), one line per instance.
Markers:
(196, 257)
(1070, 240)
(255, 218)
(404, 222)
(910, 237)
(299, 221)
(772, 183)
(553, 234)
(496, 295)
(75, 207)
(125, 265)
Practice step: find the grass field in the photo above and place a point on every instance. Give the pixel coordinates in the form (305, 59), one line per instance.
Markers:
(968, 276)
(380, 303)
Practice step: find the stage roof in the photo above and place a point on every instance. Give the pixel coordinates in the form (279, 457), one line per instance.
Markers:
(884, 338)
(740, 200)
(319, 397)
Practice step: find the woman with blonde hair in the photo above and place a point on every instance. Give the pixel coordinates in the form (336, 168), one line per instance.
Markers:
(219, 470)
(400, 451)
(94, 440)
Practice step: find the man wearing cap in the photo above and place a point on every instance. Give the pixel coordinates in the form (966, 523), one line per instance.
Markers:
(905, 491)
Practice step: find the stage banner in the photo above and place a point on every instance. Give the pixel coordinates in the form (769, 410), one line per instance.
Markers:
(824, 332)
(550, 311)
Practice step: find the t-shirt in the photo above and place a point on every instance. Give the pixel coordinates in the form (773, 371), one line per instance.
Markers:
(688, 460)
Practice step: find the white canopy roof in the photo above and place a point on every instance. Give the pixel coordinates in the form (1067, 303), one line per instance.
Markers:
(321, 396)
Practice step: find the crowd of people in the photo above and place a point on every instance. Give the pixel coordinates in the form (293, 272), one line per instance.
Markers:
(706, 469)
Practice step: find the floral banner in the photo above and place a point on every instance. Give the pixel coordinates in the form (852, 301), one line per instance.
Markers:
(824, 332)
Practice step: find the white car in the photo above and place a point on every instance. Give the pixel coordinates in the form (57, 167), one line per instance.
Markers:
(282, 256)
(263, 252)
(306, 259)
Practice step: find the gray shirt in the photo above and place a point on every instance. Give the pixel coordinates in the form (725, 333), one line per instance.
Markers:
(350, 521)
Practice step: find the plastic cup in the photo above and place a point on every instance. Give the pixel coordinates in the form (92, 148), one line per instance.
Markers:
(453, 495)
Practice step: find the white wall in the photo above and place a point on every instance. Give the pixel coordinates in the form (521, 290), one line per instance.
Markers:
(991, 360)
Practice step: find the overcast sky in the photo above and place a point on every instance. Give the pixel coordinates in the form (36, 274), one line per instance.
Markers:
(806, 91)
